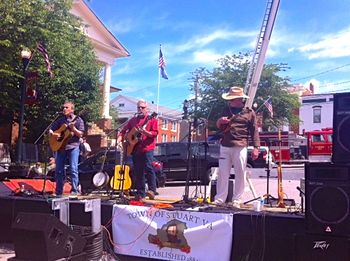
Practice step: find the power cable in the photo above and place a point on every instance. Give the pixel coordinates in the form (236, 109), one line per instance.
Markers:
(324, 72)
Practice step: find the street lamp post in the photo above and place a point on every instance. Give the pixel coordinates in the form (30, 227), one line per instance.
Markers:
(25, 55)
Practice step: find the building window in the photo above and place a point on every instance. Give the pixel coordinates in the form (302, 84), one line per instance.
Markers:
(164, 138)
(173, 125)
(317, 114)
(173, 138)
(165, 124)
(121, 105)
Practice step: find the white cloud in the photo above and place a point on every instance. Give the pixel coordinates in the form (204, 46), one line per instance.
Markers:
(122, 26)
(331, 46)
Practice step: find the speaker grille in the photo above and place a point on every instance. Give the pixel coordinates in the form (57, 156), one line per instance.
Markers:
(343, 137)
(329, 205)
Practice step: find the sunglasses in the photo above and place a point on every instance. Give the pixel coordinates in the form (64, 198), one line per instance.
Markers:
(141, 107)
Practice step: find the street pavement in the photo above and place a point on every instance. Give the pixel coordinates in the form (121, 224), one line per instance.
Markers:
(291, 176)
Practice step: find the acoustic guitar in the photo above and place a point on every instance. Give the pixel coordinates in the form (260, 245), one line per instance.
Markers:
(133, 136)
(59, 141)
(121, 179)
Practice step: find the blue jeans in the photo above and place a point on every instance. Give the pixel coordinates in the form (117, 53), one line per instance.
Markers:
(143, 169)
(73, 157)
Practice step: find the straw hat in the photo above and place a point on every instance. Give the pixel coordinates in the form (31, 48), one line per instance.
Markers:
(234, 93)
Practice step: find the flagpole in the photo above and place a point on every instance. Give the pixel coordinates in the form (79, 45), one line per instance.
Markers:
(263, 104)
(158, 88)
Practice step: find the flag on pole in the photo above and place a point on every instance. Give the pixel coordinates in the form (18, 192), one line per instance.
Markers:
(42, 49)
(162, 65)
(268, 104)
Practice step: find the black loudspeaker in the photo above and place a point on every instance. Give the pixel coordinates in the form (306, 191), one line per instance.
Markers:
(341, 127)
(265, 236)
(327, 191)
(40, 236)
(230, 190)
(321, 248)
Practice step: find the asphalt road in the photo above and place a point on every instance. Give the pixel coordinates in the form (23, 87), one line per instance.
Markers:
(291, 176)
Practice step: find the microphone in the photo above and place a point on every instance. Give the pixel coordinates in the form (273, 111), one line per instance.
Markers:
(301, 191)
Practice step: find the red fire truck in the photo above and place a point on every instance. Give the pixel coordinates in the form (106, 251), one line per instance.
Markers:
(312, 146)
(319, 144)
(293, 147)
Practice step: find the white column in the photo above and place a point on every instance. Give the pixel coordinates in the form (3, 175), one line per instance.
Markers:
(106, 91)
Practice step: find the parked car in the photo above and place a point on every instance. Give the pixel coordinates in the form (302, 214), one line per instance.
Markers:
(175, 158)
(203, 156)
(265, 157)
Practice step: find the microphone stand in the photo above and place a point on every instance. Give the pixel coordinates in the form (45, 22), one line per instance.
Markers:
(57, 115)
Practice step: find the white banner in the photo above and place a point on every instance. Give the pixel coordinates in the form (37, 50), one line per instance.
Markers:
(172, 235)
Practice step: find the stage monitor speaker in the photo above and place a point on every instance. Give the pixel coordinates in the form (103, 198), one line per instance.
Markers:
(40, 236)
(265, 236)
(341, 127)
(311, 247)
(327, 191)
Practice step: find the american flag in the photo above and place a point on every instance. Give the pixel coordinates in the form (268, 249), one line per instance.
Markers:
(268, 104)
(42, 49)
(162, 65)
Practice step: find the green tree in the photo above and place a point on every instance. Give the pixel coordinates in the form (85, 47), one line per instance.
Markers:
(23, 24)
(232, 71)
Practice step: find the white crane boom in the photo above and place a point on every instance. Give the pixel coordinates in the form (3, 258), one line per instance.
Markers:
(258, 58)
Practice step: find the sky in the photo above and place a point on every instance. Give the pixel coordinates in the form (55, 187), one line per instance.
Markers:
(311, 36)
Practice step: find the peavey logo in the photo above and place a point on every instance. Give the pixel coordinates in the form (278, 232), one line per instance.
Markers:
(321, 245)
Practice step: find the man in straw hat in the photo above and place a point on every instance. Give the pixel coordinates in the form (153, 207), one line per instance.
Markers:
(237, 124)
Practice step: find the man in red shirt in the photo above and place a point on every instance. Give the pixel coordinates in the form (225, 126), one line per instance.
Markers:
(146, 130)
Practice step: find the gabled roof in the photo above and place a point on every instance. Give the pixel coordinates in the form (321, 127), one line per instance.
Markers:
(164, 112)
(101, 37)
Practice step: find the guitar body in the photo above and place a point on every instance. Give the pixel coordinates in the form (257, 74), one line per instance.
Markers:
(132, 138)
(120, 180)
(63, 134)
(58, 142)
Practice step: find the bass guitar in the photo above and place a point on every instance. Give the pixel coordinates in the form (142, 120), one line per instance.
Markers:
(280, 202)
(121, 179)
(60, 137)
(133, 136)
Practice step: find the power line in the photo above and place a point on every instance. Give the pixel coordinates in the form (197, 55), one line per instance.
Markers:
(324, 72)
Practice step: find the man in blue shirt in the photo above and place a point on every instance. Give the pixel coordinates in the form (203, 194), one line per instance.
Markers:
(70, 148)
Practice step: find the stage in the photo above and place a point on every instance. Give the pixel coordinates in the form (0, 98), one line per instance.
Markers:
(225, 232)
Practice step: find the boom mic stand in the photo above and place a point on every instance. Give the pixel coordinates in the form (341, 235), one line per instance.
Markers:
(57, 115)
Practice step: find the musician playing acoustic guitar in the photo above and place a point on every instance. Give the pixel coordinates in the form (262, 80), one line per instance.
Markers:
(141, 130)
(68, 146)
(238, 124)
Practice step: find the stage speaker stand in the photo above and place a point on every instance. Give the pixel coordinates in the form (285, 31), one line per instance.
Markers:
(313, 247)
(341, 127)
(327, 191)
(38, 236)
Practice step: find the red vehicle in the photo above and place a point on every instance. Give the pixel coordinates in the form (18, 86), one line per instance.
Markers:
(319, 144)
(293, 148)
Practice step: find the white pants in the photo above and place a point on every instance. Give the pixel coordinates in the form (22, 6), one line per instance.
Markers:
(236, 156)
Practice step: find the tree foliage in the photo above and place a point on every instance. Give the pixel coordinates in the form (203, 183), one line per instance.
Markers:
(23, 24)
(232, 71)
